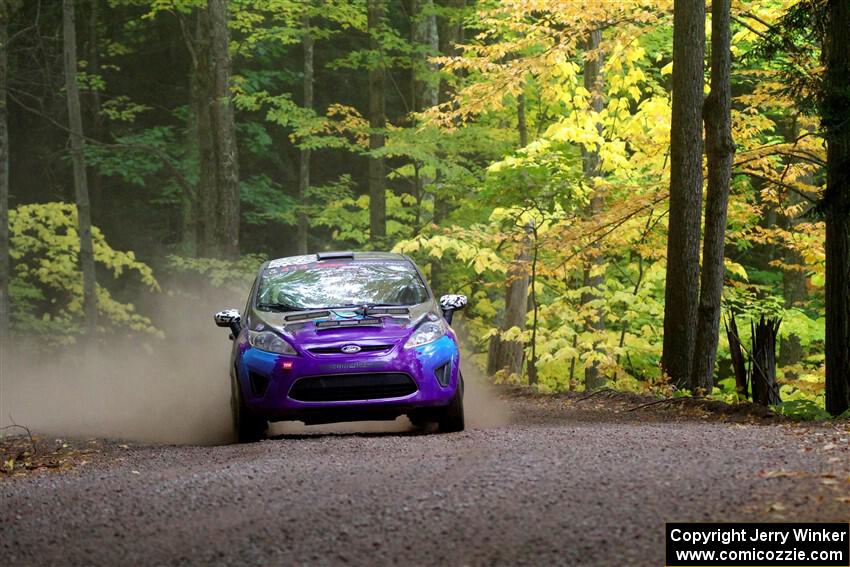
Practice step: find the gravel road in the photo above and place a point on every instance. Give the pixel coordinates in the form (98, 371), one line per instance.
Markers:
(559, 482)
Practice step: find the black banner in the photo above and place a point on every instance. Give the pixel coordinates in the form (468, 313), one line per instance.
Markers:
(757, 545)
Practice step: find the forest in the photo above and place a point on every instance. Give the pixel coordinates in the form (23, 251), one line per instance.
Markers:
(639, 195)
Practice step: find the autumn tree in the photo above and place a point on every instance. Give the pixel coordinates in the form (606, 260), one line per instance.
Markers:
(683, 235)
(593, 275)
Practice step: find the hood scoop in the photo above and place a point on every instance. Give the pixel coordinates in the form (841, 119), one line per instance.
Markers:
(387, 310)
(342, 323)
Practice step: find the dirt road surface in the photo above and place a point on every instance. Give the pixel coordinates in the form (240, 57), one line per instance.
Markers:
(554, 482)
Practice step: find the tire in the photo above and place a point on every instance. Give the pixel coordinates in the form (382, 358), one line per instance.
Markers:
(451, 419)
(246, 427)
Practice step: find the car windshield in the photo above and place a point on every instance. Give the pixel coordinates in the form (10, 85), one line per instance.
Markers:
(319, 285)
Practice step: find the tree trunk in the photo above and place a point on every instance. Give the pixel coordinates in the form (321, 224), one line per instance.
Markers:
(508, 355)
(793, 293)
(532, 360)
(424, 89)
(426, 37)
(206, 191)
(449, 30)
(720, 149)
(593, 278)
(304, 165)
(522, 124)
(765, 387)
(218, 187)
(227, 234)
(94, 111)
(377, 138)
(836, 205)
(683, 234)
(78, 158)
(5, 275)
(736, 352)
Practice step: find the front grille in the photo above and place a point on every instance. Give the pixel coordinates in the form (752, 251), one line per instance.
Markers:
(338, 349)
(344, 387)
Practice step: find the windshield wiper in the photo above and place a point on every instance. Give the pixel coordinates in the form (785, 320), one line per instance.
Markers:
(280, 307)
(344, 306)
(373, 308)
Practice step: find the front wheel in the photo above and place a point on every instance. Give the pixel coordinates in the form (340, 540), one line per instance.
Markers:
(247, 427)
(451, 419)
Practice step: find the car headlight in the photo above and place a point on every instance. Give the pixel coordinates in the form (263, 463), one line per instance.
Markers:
(270, 342)
(427, 332)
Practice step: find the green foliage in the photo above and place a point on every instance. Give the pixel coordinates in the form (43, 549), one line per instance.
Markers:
(264, 201)
(348, 219)
(802, 409)
(462, 193)
(47, 284)
(234, 275)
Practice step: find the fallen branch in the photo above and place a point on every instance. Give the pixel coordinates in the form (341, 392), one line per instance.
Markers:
(599, 391)
(666, 401)
(25, 428)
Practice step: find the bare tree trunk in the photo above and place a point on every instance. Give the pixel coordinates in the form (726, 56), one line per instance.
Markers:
(720, 149)
(218, 187)
(736, 352)
(5, 274)
(593, 278)
(377, 138)
(78, 158)
(765, 387)
(683, 235)
(509, 354)
(836, 205)
(304, 165)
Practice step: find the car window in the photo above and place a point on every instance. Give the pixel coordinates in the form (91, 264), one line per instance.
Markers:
(334, 284)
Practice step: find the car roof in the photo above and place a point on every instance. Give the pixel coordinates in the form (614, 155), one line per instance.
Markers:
(337, 256)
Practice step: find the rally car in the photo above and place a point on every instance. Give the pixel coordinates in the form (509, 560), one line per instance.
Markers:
(343, 336)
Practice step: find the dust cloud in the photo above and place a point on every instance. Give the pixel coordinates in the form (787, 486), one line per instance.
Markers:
(175, 390)
(171, 390)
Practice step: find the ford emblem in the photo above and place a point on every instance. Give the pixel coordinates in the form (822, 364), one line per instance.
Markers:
(350, 349)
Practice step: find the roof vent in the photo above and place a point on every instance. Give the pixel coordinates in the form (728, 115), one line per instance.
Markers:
(334, 255)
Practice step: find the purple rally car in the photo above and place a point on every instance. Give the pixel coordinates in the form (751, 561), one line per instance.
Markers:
(343, 336)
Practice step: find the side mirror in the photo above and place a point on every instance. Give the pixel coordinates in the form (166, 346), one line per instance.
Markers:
(231, 319)
(451, 303)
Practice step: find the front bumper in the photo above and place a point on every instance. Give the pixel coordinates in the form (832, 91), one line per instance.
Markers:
(265, 380)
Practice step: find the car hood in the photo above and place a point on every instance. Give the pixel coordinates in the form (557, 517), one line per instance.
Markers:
(307, 334)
